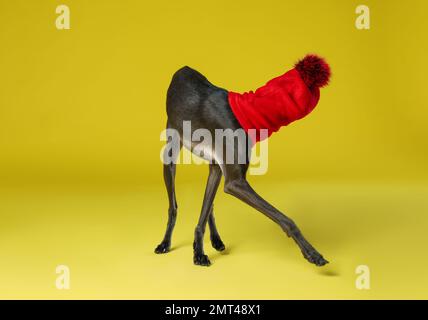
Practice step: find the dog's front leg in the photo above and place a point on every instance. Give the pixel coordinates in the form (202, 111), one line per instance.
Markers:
(169, 178)
(214, 235)
(241, 189)
(214, 178)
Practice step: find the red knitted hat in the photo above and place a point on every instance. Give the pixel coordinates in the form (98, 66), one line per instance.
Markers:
(282, 100)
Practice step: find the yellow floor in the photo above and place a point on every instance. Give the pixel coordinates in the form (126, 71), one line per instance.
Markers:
(106, 235)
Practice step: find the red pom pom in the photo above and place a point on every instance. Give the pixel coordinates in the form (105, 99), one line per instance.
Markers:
(314, 70)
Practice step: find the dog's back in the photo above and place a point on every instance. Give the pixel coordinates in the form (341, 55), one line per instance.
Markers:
(191, 97)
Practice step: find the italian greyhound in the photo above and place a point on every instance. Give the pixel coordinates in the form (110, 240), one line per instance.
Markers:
(191, 97)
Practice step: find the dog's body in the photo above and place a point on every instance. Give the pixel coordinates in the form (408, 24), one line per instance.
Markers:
(191, 97)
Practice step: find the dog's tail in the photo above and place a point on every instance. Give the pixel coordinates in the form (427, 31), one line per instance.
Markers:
(314, 71)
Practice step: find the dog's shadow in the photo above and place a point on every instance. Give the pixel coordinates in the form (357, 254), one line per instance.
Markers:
(217, 254)
(328, 272)
(179, 245)
(212, 253)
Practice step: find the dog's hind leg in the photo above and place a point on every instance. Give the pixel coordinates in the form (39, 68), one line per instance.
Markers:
(171, 154)
(214, 178)
(216, 241)
(237, 185)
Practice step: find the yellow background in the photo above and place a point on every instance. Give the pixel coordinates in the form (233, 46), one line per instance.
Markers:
(81, 112)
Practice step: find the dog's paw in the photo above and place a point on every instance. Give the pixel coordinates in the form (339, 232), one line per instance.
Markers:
(314, 257)
(201, 260)
(163, 248)
(217, 244)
